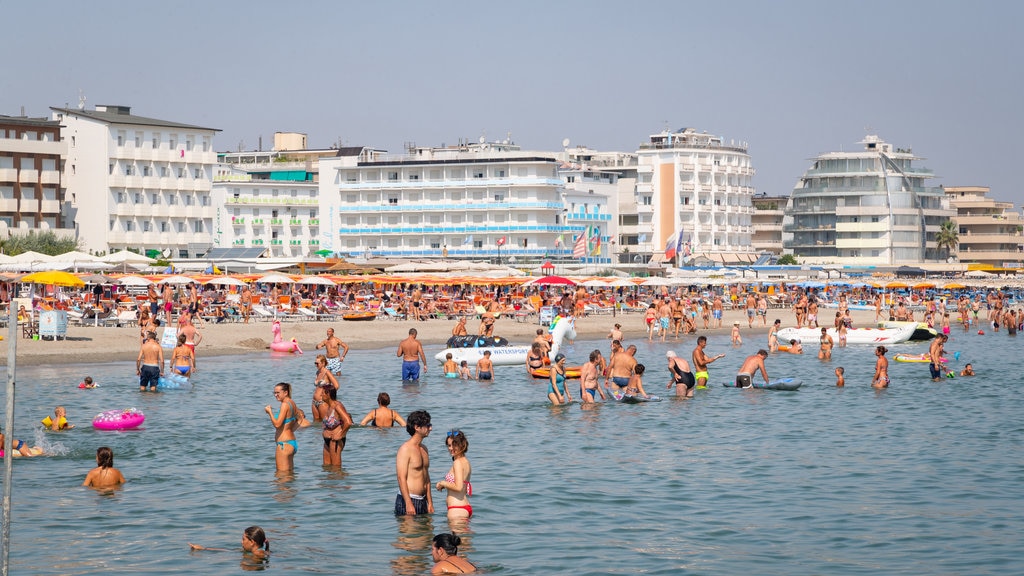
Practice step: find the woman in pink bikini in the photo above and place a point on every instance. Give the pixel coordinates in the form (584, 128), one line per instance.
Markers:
(456, 481)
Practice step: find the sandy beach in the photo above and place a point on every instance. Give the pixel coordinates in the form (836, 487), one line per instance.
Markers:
(87, 344)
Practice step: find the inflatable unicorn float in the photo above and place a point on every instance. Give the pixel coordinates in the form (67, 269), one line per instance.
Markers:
(280, 344)
(561, 328)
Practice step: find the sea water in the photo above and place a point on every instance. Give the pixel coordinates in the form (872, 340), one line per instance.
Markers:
(921, 478)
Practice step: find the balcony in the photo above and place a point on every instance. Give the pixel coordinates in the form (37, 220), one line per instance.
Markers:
(28, 176)
(276, 221)
(294, 222)
(8, 205)
(314, 221)
(31, 205)
(49, 177)
(237, 221)
(314, 242)
(8, 175)
(276, 242)
(257, 221)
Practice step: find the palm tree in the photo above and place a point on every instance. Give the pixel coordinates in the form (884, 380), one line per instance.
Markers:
(948, 237)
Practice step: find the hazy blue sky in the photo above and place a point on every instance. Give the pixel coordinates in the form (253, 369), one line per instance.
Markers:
(793, 79)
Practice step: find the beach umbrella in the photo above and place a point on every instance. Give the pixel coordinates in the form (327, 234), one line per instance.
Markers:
(54, 277)
(225, 281)
(315, 280)
(98, 279)
(595, 284)
(275, 279)
(953, 286)
(134, 281)
(550, 281)
(924, 285)
(897, 285)
(657, 281)
(622, 283)
(177, 280)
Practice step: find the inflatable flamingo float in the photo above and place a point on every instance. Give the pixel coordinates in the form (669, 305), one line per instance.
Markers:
(280, 344)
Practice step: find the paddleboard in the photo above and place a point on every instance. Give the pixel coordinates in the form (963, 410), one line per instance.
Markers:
(788, 384)
(632, 399)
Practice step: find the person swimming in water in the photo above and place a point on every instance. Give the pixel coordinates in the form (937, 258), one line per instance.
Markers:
(254, 541)
(104, 475)
(382, 416)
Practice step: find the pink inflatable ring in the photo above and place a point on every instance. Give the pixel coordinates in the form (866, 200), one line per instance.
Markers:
(118, 419)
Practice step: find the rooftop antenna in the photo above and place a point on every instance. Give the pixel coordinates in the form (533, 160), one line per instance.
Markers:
(81, 99)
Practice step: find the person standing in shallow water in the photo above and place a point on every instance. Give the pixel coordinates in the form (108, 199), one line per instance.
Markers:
(881, 377)
(285, 422)
(412, 468)
(104, 475)
(412, 353)
(456, 481)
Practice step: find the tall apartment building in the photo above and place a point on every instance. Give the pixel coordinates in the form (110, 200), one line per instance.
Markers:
(697, 185)
(468, 201)
(31, 192)
(138, 183)
(870, 207)
(766, 221)
(590, 175)
(990, 232)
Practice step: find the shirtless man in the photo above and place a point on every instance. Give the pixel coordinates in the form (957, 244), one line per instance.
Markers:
(334, 358)
(417, 304)
(665, 313)
(620, 366)
(751, 308)
(485, 367)
(154, 301)
(412, 468)
(589, 374)
(751, 365)
(487, 323)
(716, 310)
(460, 327)
(935, 352)
(616, 333)
(149, 366)
(192, 337)
(542, 341)
(411, 352)
(168, 303)
(680, 374)
(245, 303)
(701, 361)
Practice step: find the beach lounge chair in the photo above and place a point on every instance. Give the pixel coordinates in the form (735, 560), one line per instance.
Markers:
(547, 314)
(261, 312)
(391, 313)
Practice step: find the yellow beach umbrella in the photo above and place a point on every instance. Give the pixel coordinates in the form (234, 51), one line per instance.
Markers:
(953, 286)
(54, 277)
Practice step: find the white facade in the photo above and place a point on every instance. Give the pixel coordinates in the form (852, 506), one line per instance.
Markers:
(699, 186)
(138, 183)
(870, 207)
(280, 215)
(456, 202)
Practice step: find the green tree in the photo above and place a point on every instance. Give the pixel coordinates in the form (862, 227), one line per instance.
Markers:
(788, 260)
(45, 242)
(948, 237)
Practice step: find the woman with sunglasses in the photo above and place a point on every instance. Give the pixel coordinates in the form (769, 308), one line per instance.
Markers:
(456, 481)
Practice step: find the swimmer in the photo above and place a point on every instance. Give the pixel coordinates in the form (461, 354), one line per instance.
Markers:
(58, 421)
(456, 481)
(336, 423)
(182, 358)
(464, 371)
(881, 377)
(87, 383)
(104, 475)
(557, 392)
(840, 380)
(680, 374)
(19, 448)
(534, 359)
(737, 340)
(636, 382)
(335, 356)
(616, 333)
(444, 551)
(795, 347)
(382, 416)
(701, 361)
(773, 339)
(451, 369)
(323, 380)
(412, 353)
(968, 370)
(485, 367)
(254, 541)
(752, 364)
(589, 373)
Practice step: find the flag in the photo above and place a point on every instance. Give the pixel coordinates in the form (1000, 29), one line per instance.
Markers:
(687, 249)
(579, 249)
(501, 241)
(469, 240)
(642, 238)
(559, 240)
(672, 245)
(594, 241)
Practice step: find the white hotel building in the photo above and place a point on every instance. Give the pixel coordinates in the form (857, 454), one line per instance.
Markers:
(697, 184)
(138, 183)
(454, 202)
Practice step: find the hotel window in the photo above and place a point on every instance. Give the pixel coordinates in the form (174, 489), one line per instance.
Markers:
(393, 200)
(206, 144)
(163, 227)
(478, 173)
(392, 176)
(415, 176)
(28, 163)
(499, 197)
(163, 171)
(181, 172)
(121, 197)
(156, 140)
(499, 173)
(198, 173)
(129, 170)
(188, 200)
(138, 139)
(147, 170)
(172, 200)
(111, 225)
(478, 243)
(273, 193)
(173, 142)
(120, 138)
(129, 226)
(181, 226)
(197, 226)
(147, 226)
(138, 197)
(188, 144)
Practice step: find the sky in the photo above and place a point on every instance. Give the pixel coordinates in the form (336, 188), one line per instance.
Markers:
(792, 79)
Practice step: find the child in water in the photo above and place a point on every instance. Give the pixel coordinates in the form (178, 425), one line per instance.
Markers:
(451, 370)
(87, 383)
(58, 421)
(968, 370)
(254, 541)
(840, 380)
(464, 371)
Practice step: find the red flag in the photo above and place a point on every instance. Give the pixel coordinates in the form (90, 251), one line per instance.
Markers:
(579, 250)
(501, 241)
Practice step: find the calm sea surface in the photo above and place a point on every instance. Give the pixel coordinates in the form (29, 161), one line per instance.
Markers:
(921, 478)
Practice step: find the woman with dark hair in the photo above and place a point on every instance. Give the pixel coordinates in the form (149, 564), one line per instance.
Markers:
(323, 378)
(382, 416)
(104, 475)
(881, 378)
(445, 551)
(337, 421)
(456, 481)
(254, 541)
(285, 422)
(557, 392)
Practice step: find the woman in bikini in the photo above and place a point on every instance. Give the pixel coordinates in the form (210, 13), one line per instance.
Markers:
(456, 481)
(323, 378)
(444, 551)
(534, 360)
(104, 475)
(382, 416)
(881, 377)
(337, 421)
(285, 422)
(182, 360)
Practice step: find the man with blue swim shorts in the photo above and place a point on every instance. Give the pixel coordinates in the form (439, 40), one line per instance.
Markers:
(620, 366)
(150, 363)
(411, 352)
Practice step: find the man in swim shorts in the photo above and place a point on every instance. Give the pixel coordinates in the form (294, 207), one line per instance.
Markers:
(334, 357)
(935, 352)
(412, 468)
(150, 363)
(411, 352)
(484, 367)
(750, 365)
(589, 373)
(679, 370)
(620, 366)
(701, 361)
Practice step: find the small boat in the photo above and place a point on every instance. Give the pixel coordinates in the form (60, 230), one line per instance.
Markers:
(874, 336)
(359, 316)
(921, 329)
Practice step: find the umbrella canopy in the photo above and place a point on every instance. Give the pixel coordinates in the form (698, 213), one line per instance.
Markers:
(924, 285)
(55, 277)
(622, 283)
(275, 279)
(657, 281)
(595, 284)
(547, 266)
(953, 286)
(892, 285)
(126, 257)
(30, 257)
(178, 279)
(225, 281)
(316, 280)
(134, 281)
(98, 279)
(550, 280)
